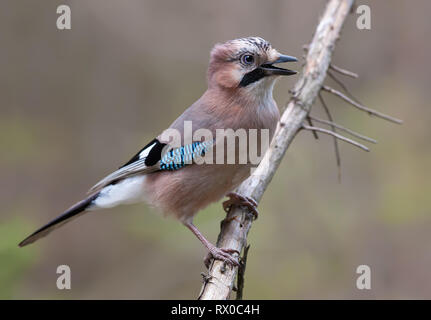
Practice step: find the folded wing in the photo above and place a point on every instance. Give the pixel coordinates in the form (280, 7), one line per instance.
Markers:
(155, 156)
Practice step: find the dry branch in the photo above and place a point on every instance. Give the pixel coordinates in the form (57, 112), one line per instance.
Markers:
(344, 71)
(342, 85)
(336, 148)
(360, 106)
(338, 136)
(234, 231)
(335, 125)
(241, 273)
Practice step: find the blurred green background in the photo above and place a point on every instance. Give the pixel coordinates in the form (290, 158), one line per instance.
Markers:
(76, 104)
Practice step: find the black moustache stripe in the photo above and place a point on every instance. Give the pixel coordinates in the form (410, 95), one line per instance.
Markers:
(251, 77)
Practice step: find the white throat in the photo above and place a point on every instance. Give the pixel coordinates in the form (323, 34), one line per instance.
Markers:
(261, 90)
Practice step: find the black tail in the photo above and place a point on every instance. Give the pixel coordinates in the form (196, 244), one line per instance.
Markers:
(73, 212)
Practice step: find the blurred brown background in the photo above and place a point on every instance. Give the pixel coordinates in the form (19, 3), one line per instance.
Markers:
(76, 104)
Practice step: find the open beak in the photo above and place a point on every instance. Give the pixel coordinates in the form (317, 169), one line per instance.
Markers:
(270, 69)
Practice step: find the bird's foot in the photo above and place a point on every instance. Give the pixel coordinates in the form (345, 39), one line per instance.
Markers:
(225, 255)
(240, 200)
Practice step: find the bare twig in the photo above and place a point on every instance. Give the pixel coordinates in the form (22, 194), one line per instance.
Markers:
(241, 274)
(343, 71)
(347, 91)
(311, 124)
(336, 148)
(353, 133)
(338, 136)
(234, 232)
(343, 86)
(360, 106)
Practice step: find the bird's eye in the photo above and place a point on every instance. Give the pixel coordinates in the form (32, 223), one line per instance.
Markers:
(247, 59)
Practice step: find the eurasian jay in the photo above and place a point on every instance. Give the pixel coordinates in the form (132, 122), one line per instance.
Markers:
(241, 77)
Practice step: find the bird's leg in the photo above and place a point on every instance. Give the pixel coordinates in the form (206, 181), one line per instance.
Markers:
(213, 252)
(240, 200)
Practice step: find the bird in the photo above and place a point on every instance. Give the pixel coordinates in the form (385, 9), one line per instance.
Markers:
(240, 77)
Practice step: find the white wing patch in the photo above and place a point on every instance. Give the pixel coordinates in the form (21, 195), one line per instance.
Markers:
(135, 166)
(129, 190)
(144, 153)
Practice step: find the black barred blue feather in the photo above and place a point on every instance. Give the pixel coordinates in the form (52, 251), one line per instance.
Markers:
(177, 158)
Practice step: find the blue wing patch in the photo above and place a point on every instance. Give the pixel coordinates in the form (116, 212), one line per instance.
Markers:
(177, 158)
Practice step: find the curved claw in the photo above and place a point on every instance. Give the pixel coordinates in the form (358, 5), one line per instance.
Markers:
(225, 255)
(240, 200)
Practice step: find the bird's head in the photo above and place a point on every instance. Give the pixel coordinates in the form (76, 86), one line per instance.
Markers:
(246, 63)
